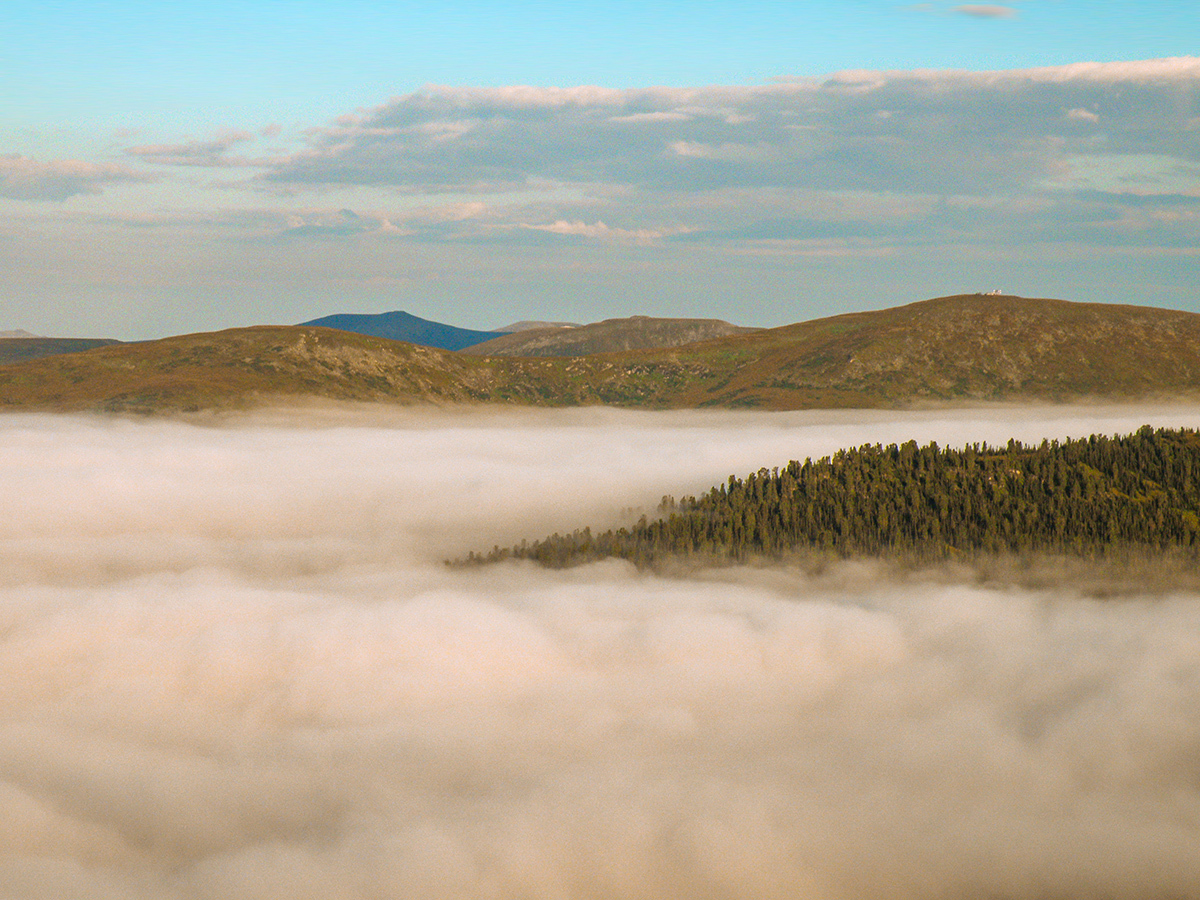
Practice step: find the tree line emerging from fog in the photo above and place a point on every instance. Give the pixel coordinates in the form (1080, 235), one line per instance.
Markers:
(1088, 497)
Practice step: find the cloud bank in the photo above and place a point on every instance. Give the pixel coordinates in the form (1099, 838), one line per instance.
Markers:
(945, 131)
(1060, 153)
(232, 665)
(22, 178)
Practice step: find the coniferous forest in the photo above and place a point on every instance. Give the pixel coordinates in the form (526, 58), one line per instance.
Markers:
(1088, 497)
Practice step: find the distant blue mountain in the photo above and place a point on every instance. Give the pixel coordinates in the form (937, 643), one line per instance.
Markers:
(400, 326)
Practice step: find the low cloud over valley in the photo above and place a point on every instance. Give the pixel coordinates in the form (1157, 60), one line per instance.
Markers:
(232, 664)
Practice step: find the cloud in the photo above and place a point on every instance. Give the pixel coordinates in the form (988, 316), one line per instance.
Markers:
(22, 178)
(975, 10)
(660, 116)
(335, 223)
(218, 685)
(601, 231)
(213, 153)
(987, 11)
(1035, 162)
(641, 166)
(937, 131)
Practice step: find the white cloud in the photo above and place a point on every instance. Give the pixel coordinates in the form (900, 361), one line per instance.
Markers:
(739, 153)
(987, 11)
(642, 118)
(603, 232)
(973, 132)
(217, 685)
(1180, 72)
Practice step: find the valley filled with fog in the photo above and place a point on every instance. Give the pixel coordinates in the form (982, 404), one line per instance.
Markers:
(233, 664)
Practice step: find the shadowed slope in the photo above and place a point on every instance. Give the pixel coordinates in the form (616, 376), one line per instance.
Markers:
(402, 326)
(19, 349)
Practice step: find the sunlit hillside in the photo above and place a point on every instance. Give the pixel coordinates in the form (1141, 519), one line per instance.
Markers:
(967, 348)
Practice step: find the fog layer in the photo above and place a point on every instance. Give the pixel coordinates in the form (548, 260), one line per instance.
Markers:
(232, 665)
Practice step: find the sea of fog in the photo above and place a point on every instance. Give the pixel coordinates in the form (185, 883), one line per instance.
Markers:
(233, 665)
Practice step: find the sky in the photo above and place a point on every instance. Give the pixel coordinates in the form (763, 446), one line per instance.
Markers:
(168, 168)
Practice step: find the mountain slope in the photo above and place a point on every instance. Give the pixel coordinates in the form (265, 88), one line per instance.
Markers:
(611, 335)
(967, 347)
(401, 326)
(18, 349)
(237, 368)
(956, 349)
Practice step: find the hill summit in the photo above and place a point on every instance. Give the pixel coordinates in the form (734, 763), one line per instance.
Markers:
(402, 326)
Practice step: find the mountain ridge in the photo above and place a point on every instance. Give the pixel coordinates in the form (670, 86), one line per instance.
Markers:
(402, 326)
(607, 336)
(960, 349)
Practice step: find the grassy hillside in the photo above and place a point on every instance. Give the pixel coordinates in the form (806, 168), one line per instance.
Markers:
(957, 348)
(970, 348)
(609, 336)
(238, 368)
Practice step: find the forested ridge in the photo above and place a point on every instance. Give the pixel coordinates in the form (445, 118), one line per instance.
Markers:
(1089, 497)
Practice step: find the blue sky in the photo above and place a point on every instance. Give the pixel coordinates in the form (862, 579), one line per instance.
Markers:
(170, 167)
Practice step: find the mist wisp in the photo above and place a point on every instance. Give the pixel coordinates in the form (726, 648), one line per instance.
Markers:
(232, 664)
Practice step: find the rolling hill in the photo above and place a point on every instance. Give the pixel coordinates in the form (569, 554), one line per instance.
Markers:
(960, 348)
(242, 367)
(609, 336)
(951, 349)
